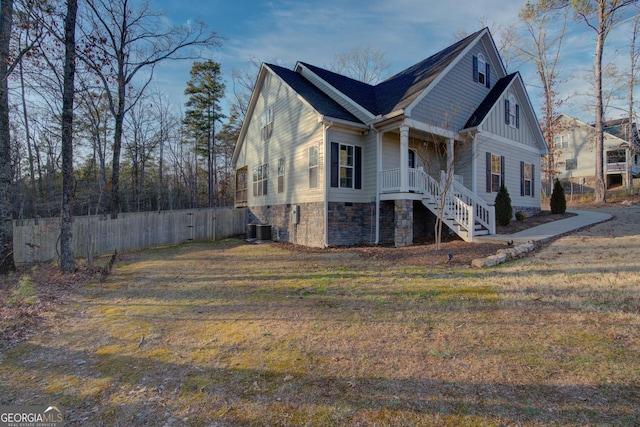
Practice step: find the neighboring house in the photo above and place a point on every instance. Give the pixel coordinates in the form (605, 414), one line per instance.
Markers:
(330, 161)
(574, 145)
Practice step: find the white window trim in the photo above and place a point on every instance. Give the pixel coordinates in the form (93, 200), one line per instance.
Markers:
(281, 169)
(482, 69)
(313, 166)
(346, 168)
(528, 183)
(266, 124)
(513, 119)
(260, 180)
(494, 173)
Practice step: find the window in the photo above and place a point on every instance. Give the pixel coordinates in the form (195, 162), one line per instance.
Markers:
(260, 180)
(571, 164)
(481, 70)
(511, 112)
(313, 166)
(266, 123)
(494, 172)
(281, 175)
(561, 142)
(526, 179)
(346, 166)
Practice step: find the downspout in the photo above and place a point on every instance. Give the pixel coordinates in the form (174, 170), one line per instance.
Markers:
(378, 172)
(327, 173)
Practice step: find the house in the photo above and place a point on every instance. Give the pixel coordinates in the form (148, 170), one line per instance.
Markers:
(574, 148)
(330, 161)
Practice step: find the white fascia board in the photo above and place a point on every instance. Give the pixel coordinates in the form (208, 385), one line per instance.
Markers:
(445, 133)
(507, 141)
(445, 72)
(252, 104)
(531, 113)
(341, 122)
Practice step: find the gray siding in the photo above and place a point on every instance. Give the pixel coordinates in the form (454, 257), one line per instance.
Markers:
(513, 153)
(452, 101)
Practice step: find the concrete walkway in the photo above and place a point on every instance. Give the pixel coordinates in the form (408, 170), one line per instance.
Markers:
(549, 230)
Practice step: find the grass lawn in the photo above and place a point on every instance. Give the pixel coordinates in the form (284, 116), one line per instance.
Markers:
(229, 333)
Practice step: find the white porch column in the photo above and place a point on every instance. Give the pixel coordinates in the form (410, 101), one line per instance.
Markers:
(404, 159)
(450, 157)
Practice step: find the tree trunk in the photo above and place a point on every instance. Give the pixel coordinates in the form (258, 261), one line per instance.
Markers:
(6, 223)
(600, 188)
(67, 259)
(117, 148)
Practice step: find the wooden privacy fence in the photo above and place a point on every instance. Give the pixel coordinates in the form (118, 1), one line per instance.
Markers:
(95, 235)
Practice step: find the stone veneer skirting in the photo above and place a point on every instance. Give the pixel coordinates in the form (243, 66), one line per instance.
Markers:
(309, 231)
(350, 224)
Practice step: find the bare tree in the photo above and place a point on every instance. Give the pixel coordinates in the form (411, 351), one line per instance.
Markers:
(364, 64)
(123, 42)
(630, 131)
(601, 16)
(545, 27)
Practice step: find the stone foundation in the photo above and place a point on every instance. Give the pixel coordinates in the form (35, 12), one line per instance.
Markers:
(351, 224)
(403, 223)
(308, 232)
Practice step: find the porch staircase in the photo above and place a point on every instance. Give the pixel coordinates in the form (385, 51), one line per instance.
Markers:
(464, 213)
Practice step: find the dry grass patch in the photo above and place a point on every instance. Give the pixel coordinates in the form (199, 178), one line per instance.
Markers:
(236, 334)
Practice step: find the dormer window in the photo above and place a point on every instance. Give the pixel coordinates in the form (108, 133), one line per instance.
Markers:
(481, 70)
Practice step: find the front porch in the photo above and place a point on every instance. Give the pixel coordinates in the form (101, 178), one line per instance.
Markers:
(463, 212)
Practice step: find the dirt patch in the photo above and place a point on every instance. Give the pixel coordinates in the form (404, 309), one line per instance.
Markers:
(20, 313)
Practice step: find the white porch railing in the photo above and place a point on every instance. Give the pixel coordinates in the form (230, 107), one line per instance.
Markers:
(617, 167)
(462, 208)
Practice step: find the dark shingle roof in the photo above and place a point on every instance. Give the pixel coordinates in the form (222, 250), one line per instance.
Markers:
(314, 96)
(487, 104)
(400, 90)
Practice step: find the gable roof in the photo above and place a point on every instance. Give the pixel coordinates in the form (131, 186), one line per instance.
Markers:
(399, 91)
(321, 102)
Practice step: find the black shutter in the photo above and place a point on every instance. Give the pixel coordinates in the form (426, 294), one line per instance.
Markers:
(335, 163)
(517, 116)
(358, 168)
(475, 68)
(522, 182)
(488, 172)
(502, 174)
(506, 111)
(487, 78)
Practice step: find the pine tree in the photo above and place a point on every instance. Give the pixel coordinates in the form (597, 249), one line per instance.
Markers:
(558, 200)
(504, 211)
(205, 90)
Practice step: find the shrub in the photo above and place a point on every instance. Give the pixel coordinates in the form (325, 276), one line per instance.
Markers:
(558, 200)
(521, 216)
(504, 211)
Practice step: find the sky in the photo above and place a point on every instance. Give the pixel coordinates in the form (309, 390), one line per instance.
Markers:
(405, 31)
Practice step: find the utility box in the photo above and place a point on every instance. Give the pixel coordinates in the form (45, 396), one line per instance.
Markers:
(295, 214)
